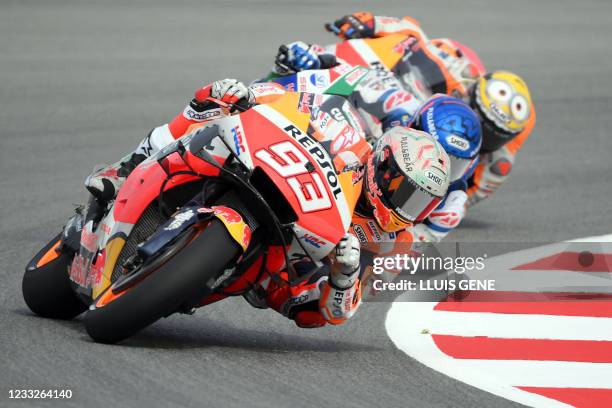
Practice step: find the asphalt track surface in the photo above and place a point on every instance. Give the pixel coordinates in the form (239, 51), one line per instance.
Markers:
(82, 82)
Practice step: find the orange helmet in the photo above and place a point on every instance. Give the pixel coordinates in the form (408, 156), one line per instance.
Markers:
(441, 66)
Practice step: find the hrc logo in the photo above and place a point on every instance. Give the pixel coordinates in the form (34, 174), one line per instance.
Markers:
(237, 134)
(314, 241)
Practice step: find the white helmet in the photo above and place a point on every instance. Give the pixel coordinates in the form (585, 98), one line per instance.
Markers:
(406, 177)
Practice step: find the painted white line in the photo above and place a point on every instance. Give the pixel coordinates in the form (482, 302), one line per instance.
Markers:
(410, 325)
(511, 372)
(599, 238)
(516, 326)
(422, 348)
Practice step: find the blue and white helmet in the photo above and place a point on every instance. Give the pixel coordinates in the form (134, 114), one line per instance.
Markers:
(455, 125)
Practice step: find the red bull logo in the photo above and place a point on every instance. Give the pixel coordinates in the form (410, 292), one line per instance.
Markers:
(238, 229)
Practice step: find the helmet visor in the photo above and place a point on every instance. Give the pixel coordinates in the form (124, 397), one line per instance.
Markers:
(402, 194)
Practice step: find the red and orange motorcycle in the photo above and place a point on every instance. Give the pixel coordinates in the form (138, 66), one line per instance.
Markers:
(413, 61)
(201, 220)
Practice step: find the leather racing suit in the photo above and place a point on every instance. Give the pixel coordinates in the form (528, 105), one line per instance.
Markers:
(394, 102)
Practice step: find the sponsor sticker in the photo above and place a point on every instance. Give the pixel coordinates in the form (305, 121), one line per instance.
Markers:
(229, 215)
(501, 115)
(179, 220)
(323, 121)
(404, 45)
(397, 99)
(353, 77)
(305, 102)
(345, 139)
(458, 142)
(378, 66)
(192, 114)
(89, 240)
(342, 69)
(267, 89)
(360, 233)
(357, 175)
(434, 177)
(320, 80)
(431, 125)
(238, 142)
(353, 119)
(374, 230)
(337, 114)
(313, 240)
(78, 270)
(106, 228)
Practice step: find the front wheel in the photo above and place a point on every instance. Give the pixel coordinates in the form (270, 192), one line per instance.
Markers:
(186, 276)
(46, 286)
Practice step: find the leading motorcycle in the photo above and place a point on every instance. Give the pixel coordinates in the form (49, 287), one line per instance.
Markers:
(202, 219)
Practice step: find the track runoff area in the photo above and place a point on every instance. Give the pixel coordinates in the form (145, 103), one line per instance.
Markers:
(529, 341)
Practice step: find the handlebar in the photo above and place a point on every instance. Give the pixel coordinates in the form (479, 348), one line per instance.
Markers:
(240, 105)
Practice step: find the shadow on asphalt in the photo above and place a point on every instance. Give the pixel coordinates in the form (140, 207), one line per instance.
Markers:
(207, 333)
(201, 332)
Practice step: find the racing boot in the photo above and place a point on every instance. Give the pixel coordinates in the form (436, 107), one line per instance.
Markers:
(104, 184)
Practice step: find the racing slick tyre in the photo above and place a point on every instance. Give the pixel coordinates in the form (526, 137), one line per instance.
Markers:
(46, 286)
(187, 275)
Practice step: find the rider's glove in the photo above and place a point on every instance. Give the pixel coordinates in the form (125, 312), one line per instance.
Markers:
(424, 234)
(345, 270)
(356, 25)
(226, 90)
(231, 91)
(443, 219)
(341, 294)
(494, 168)
(296, 56)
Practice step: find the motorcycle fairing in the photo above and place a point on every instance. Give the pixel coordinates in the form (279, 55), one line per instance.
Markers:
(245, 134)
(377, 53)
(339, 80)
(102, 242)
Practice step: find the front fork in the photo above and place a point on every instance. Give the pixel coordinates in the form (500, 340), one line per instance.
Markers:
(172, 236)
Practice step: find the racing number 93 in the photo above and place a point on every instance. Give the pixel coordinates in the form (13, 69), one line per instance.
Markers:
(289, 162)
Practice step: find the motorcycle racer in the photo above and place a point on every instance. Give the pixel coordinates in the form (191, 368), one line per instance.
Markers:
(105, 183)
(440, 65)
(382, 98)
(500, 98)
(404, 185)
(458, 130)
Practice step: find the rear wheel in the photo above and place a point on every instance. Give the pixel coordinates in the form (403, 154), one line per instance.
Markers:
(185, 277)
(46, 286)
